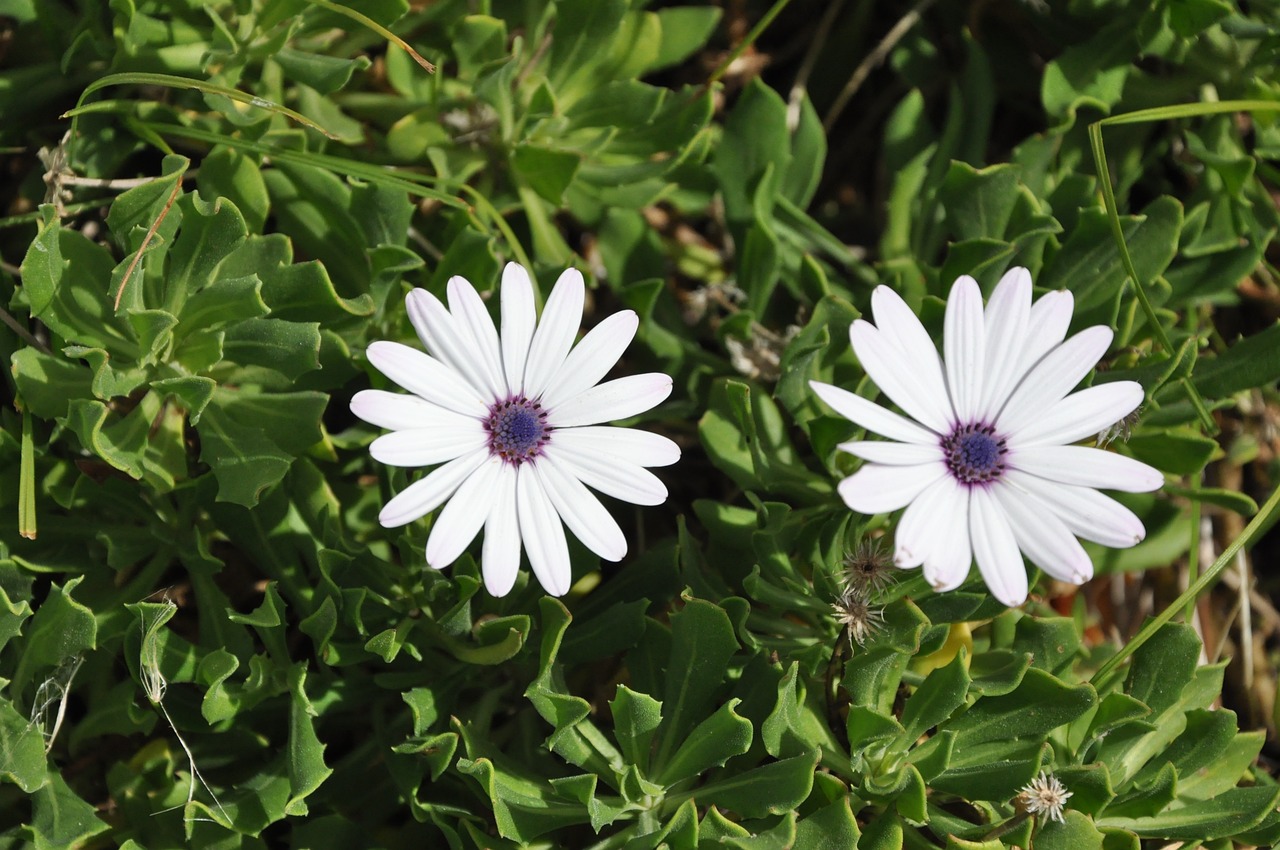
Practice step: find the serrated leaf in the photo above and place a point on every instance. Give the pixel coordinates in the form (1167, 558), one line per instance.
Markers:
(712, 742)
(702, 642)
(307, 770)
(636, 718)
(228, 173)
(22, 759)
(244, 459)
(61, 628)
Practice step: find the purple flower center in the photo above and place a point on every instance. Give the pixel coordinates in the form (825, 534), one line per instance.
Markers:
(517, 429)
(974, 454)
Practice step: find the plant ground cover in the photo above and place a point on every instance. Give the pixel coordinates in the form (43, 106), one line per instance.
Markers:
(213, 213)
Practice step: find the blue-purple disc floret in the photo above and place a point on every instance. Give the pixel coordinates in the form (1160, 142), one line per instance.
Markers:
(974, 453)
(517, 429)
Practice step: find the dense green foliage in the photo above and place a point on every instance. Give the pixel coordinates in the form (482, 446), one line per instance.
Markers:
(192, 575)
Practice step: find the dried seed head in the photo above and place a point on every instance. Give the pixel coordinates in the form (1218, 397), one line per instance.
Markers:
(867, 569)
(853, 611)
(1043, 795)
(1122, 429)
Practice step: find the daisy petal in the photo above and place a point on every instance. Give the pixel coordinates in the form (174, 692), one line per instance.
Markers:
(428, 446)
(426, 494)
(900, 375)
(397, 411)
(946, 566)
(1006, 318)
(892, 454)
(965, 341)
(424, 376)
(1047, 326)
(557, 329)
(643, 448)
(617, 399)
(1079, 415)
(916, 352)
(995, 548)
(461, 519)
(1053, 377)
(877, 489)
(518, 322)
(542, 533)
(1088, 467)
(592, 358)
(473, 323)
(872, 416)
(608, 474)
(500, 554)
(582, 512)
(447, 342)
(1086, 512)
(1044, 538)
(919, 532)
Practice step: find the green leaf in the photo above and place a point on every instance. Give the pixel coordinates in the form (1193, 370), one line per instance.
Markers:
(1040, 704)
(830, 827)
(636, 718)
(249, 439)
(1089, 262)
(307, 770)
(939, 695)
(755, 141)
(66, 278)
(225, 301)
(290, 348)
(702, 642)
(1163, 667)
(61, 628)
(1230, 813)
(192, 393)
(22, 759)
(772, 789)
(714, 741)
(523, 808)
(60, 818)
(1181, 453)
(230, 174)
(1091, 73)
(979, 202)
(1076, 833)
(1254, 361)
(210, 232)
(325, 74)
(47, 382)
(547, 171)
(684, 30)
(135, 211)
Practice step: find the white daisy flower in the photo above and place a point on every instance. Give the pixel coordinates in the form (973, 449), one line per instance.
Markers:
(514, 420)
(985, 471)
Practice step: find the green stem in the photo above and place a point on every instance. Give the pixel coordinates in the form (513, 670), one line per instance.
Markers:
(1193, 556)
(748, 41)
(27, 481)
(1262, 520)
